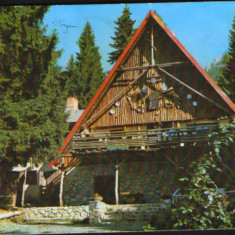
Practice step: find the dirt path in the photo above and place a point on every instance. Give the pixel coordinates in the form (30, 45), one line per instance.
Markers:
(7, 226)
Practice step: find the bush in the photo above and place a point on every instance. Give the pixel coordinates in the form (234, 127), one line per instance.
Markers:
(163, 219)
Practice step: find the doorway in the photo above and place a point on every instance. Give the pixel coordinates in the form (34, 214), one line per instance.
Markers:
(19, 191)
(104, 185)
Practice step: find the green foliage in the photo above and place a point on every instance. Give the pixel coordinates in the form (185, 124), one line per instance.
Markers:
(203, 207)
(163, 219)
(32, 101)
(227, 73)
(85, 74)
(72, 77)
(124, 32)
(148, 227)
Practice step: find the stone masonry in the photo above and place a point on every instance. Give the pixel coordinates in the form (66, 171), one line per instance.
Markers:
(97, 212)
(147, 177)
(101, 213)
(54, 213)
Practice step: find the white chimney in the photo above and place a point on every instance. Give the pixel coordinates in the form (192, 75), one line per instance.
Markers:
(72, 103)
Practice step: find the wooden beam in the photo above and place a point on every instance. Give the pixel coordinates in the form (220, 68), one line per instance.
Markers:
(116, 182)
(152, 66)
(123, 92)
(152, 47)
(192, 89)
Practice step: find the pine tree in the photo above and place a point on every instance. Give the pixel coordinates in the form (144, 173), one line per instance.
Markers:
(227, 74)
(88, 62)
(72, 77)
(124, 32)
(32, 101)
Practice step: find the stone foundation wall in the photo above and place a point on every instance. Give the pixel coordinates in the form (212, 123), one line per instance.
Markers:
(48, 213)
(97, 212)
(147, 177)
(101, 213)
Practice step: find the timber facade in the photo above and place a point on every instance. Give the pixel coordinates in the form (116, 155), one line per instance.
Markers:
(150, 117)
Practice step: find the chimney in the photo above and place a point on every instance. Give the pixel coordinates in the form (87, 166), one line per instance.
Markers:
(72, 103)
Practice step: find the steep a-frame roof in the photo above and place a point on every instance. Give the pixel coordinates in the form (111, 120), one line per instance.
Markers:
(104, 86)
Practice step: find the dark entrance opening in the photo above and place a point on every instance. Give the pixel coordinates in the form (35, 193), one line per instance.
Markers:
(104, 185)
(19, 191)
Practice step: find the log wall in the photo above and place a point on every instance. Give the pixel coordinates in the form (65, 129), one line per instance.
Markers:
(165, 51)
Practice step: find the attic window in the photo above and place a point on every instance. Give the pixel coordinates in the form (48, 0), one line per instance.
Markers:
(153, 101)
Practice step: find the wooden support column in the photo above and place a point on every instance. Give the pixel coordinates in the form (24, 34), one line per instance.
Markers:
(61, 188)
(116, 182)
(62, 183)
(24, 187)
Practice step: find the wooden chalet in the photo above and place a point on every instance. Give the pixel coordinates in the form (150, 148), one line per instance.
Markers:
(151, 114)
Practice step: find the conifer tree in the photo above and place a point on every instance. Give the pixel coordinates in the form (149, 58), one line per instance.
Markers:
(89, 68)
(72, 77)
(227, 73)
(32, 101)
(124, 32)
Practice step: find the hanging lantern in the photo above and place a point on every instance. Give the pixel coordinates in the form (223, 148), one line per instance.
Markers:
(153, 80)
(189, 96)
(194, 103)
(144, 89)
(112, 111)
(117, 103)
(164, 87)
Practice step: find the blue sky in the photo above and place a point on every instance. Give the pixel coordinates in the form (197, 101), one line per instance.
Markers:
(202, 27)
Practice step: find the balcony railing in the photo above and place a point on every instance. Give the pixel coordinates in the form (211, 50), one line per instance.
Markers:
(141, 140)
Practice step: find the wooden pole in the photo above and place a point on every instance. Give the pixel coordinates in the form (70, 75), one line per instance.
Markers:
(24, 187)
(152, 47)
(116, 183)
(61, 188)
(62, 182)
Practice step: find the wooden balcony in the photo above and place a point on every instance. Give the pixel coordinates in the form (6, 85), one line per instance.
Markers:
(143, 140)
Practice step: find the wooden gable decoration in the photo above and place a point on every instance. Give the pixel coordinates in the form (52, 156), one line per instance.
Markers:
(154, 80)
(154, 100)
